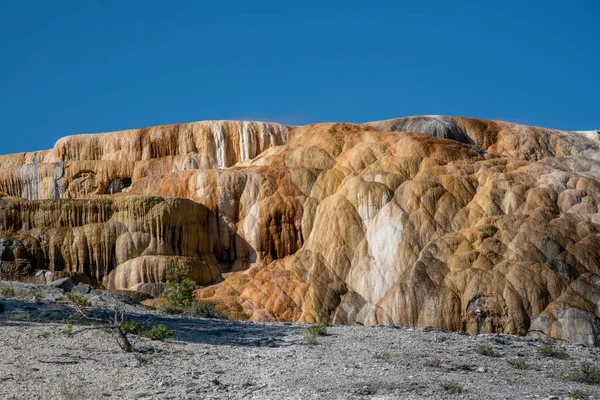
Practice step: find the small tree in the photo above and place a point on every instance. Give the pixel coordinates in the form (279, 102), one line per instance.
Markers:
(115, 323)
(180, 288)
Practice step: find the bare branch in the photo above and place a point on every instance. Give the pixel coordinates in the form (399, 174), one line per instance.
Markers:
(112, 323)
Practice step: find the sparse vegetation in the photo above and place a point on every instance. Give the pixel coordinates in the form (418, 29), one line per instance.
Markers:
(520, 363)
(179, 296)
(389, 357)
(132, 327)
(314, 331)
(585, 372)
(172, 308)
(310, 338)
(486, 349)
(206, 310)
(111, 323)
(8, 292)
(78, 300)
(553, 352)
(451, 387)
(194, 308)
(319, 329)
(158, 332)
(45, 334)
(434, 362)
(126, 332)
(68, 330)
(579, 394)
(141, 359)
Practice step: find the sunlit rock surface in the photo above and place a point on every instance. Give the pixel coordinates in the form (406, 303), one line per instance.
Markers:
(414, 221)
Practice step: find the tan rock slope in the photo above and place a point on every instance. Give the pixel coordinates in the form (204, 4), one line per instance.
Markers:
(416, 221)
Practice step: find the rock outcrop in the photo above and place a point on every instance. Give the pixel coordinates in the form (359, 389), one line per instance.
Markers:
(417, 221)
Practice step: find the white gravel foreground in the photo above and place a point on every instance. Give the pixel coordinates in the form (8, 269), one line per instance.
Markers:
(216, 359)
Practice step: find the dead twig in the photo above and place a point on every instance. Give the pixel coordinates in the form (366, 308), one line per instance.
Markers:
(113, 323)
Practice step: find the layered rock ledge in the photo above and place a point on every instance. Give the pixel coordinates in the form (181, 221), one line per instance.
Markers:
(417, 221)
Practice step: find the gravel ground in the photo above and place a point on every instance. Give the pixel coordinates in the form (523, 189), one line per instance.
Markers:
(218, 359)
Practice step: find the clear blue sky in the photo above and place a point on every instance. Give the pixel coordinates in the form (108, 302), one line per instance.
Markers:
(87, 66)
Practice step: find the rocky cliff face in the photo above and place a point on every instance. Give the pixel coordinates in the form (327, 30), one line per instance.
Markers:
(417, 221)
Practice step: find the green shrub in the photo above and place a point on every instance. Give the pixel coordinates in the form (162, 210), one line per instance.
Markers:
(194, 308)
(314, 331)
(132, 327)
(172, 308)
(553, 352)
(310, 338)
(68, 330)
(486, 349)
(520, 363)
(8, 292)
(585, 373)
(78, 300)
(451, 387)
(205, 309)
(319, 329)
(158, 332)
(180, 288)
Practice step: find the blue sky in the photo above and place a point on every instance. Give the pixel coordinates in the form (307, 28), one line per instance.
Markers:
(85, 66)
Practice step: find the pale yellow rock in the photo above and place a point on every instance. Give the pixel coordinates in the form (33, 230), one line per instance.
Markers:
(153, 269)
(95, 236)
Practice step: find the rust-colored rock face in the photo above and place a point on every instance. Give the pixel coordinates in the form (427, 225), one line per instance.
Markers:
(417, 221)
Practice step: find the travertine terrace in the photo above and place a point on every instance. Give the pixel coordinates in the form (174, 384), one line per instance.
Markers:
(416, 221)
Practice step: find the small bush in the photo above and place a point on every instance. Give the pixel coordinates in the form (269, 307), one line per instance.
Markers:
(45, 335)
(314, 331)
(109, 323)
(389, 357)
(8, 292)
(310, 339)
(194, 308)
(180, 288)
(553, 352)
(78, 300)
(585, 373)
(486, 349)
(518, 363)
(158, 332)
(205, 310)
(451, 387)
(171, 308)
(319, 329)
(132, 327)
(68, 330)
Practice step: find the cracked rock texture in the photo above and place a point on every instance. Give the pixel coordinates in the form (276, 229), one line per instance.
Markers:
(416, 221)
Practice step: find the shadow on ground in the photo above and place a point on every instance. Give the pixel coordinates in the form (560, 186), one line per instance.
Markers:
(186, 329)
(229, 333)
